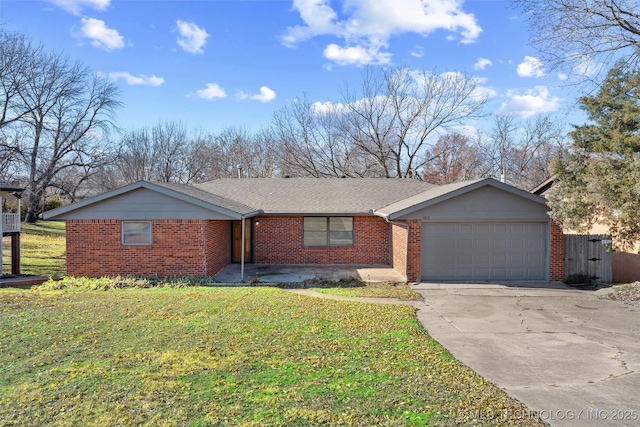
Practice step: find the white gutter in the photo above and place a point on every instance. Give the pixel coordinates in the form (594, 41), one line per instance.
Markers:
(406, 249)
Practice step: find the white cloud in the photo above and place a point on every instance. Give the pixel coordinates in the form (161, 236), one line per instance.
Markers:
(266, 95)
(482, 63)
(139, 80)
(367, 26)
(483, 92)
(534, 101)
(417, 52)
(562, 76)
(530, 67)
(192, 38)
(212, 91)
(76, 6)
(328, 107)
(100, 35)
(355, 55)
(586, 66)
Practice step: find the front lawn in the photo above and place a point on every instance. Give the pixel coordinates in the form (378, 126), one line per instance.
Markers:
(43, 249)
(400, 291)
(230, 356)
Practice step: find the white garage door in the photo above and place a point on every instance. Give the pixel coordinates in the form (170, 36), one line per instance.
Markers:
(483, 251)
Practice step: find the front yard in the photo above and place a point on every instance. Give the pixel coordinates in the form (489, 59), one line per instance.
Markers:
(42, 249)
(229, 356)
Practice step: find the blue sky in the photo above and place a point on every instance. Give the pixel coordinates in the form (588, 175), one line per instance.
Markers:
(218, 63)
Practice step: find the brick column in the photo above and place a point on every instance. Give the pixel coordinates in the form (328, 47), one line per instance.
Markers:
(556, 261)
(413, 257)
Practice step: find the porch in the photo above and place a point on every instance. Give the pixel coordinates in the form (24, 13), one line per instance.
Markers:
(293, 273)
(25, 281)
(10, 225)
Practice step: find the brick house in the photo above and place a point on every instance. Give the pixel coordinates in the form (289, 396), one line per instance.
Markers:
(480, 230)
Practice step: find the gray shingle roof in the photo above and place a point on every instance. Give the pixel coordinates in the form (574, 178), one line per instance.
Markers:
(205, 196)
(315, 195)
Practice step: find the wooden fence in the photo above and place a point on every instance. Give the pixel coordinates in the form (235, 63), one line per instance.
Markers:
(587, 258)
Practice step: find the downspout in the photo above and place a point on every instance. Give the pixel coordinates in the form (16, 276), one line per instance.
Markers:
(406, 249)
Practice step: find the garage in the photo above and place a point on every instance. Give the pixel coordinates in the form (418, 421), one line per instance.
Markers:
(483, 251)
(477, 231)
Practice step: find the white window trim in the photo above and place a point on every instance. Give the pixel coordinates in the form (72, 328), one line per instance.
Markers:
(146, 243)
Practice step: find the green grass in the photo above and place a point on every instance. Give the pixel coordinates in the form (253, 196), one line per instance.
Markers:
(229, 356)
(354, 287)
(42, 249)
(45, 228)
(376, 290)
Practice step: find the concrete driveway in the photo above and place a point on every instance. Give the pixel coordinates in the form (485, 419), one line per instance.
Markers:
(565, 353)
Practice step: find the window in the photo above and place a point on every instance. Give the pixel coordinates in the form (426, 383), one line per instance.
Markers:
(136, 233)
(328, 231)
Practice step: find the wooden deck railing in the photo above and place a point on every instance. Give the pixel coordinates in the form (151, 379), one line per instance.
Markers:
(10, 222)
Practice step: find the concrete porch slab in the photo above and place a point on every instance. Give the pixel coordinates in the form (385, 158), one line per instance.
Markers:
(12, 281)
(291, 273)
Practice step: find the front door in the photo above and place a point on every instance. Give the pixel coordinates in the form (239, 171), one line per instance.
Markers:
(236, 241)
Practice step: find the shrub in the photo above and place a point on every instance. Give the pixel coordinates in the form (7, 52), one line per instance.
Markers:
(121, 282)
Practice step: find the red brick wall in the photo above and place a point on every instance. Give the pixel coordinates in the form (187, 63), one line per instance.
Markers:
(625, 266)
(278, 240)
(556, 263)
(218, 245)
(413, 261)
(180, 247)
(399, 249)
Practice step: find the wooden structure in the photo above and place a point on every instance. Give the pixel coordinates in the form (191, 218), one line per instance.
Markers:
(587, 258)
(10, 225)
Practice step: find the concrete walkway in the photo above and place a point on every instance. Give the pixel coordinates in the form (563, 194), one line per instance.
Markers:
(570, 356)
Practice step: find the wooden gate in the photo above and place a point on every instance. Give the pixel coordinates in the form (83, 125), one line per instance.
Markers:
(587, 258)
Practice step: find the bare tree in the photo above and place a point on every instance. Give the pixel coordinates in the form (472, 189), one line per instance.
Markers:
(256, 154)
(69, 113)
(313, 142)
(500, 142)
(396, 114)
(169, 142)
(584, 36)
(166, 152)
(18, 65)
(453, 158)
(519, 152)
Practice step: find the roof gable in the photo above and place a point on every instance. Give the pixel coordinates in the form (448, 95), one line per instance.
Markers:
(443, 193)
(114, 204)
